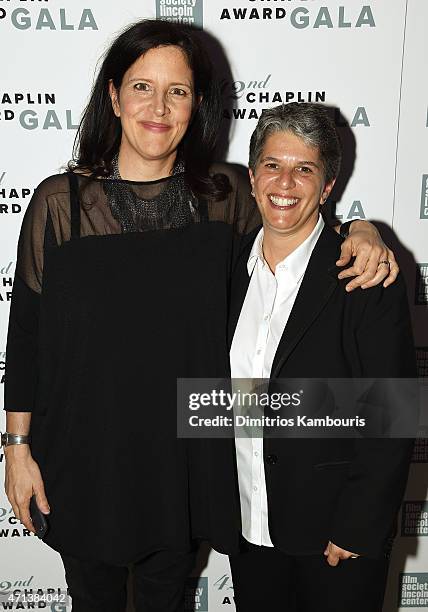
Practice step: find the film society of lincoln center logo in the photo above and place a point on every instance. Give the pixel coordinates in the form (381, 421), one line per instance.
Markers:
(421, 286)
(413, 590)
(181, 11)
(420, 449)
(196, 595)
(424, 197)
(414, 518)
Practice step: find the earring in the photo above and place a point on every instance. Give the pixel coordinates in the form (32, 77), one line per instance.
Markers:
(252, 193)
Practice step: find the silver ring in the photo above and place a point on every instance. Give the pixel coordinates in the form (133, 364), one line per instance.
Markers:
(384, 261)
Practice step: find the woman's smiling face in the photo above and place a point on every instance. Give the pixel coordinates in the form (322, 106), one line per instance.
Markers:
(289, 184)
(155, 103)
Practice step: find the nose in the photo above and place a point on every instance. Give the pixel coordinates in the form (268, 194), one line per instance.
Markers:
(159, 104)
(286, 178)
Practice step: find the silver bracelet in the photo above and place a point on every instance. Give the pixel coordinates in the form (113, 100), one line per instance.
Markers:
(9, 439)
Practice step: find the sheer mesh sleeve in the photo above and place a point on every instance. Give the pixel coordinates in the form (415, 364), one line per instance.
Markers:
(21, 351)
(247, 216)
(37, 219)
(239, 209)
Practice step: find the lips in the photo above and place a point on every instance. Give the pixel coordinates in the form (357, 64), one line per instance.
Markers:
(283, 203)
(155, 127)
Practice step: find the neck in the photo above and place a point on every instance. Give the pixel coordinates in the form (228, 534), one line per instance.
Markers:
(132, 169)
(277, 246)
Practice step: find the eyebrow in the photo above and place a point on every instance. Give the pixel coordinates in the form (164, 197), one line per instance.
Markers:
(150, 81)
(300, 163)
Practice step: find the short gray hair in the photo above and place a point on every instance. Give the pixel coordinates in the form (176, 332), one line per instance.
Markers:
(308, 121)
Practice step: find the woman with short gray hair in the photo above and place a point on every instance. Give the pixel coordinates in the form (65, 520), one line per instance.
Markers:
(318, 515)
(310, 122)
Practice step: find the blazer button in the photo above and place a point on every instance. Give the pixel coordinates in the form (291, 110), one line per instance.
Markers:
(271, 459)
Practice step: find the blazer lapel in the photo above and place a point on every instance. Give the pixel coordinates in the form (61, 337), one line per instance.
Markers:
(318, 284)
(239, 283)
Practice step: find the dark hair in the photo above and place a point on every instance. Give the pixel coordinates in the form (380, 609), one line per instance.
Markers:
(99, 134)
(310, 122)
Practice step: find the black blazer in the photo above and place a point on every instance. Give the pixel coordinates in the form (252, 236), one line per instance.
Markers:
(344, 490)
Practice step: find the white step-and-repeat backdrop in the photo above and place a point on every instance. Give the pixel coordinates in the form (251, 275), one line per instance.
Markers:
(368, 58)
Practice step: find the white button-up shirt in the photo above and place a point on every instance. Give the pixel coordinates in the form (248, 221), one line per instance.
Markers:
(264, 315)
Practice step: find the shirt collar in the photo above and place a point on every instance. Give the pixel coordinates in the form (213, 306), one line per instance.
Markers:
(295, 263)
(256, 253)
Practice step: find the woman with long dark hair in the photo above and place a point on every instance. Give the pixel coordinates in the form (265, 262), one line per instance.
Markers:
(122, 287)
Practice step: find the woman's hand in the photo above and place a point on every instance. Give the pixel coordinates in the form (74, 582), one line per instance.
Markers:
(366, 245)
(23, 479)
(335, 554)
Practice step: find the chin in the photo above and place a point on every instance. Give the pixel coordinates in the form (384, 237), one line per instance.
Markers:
(279, 224)
(155, 154)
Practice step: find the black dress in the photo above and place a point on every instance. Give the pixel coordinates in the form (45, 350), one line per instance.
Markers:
(103, 321)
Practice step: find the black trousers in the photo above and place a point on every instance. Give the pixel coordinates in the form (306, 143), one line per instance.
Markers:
(266, 579)
(159, 583)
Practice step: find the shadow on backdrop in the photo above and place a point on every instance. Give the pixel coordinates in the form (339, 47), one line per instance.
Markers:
(406, 546)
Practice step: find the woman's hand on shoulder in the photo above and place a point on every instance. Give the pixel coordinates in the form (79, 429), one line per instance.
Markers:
(374, 261)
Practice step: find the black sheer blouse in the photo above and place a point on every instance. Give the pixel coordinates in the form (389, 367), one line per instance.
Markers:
(121, 287)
